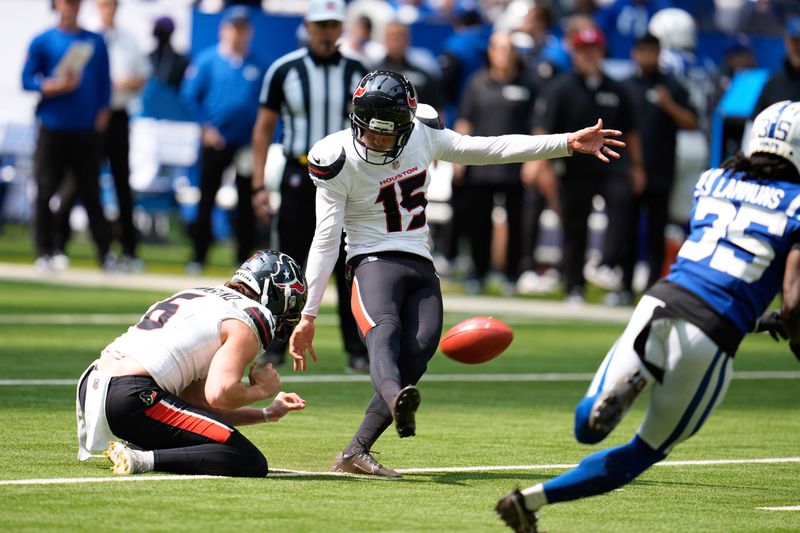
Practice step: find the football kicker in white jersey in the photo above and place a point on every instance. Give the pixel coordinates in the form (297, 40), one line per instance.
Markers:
(372, 182)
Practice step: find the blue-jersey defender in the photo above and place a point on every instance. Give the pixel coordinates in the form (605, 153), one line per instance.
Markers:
(741, 252)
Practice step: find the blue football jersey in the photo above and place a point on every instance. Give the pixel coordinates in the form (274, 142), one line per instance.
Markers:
(741, 233)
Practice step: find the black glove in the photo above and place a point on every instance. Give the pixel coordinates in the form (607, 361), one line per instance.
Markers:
(772, 323)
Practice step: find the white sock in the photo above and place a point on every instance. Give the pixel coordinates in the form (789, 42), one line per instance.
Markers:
(534, 497)
(147, 460)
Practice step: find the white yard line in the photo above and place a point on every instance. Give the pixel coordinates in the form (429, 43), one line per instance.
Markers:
(787, 508)
(432, 378)
(708, 462)
(455, 469)
(74, 480)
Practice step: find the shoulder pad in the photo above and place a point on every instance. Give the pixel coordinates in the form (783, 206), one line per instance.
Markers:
(325, 168)
(429, 116)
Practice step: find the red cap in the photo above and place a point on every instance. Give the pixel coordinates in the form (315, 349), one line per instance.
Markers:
(588, 37)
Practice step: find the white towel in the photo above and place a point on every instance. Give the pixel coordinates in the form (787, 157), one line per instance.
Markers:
(93, 430)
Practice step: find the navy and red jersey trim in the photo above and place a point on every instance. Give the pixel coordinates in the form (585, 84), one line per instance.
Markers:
(433, 123)
(262, 324)
(326, 172)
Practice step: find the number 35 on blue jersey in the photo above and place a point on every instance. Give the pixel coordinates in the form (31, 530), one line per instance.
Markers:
(740, 234)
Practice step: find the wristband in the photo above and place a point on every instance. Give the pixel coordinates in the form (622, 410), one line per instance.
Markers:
(265, 412)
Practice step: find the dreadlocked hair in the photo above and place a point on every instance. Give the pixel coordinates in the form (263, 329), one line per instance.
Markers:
(240, 287)
(763, 166)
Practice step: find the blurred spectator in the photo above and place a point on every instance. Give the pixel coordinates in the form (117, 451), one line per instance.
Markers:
(359, 44)
(544, 55)
(168, 65)
(583, 7)
(541, 186)
(538, 177)
(662, 107)
(704, 12)
(68, 66)
(737, 56)
(785, 84)
(565, 103)
(411, 11)
(677, 32)
(311, 89)
(464, 53)
(624, 21)
(398, 43)
(129, 70)
(160, 96)
(536, 35)
(221, 88)
(498, 100)
(762, 17)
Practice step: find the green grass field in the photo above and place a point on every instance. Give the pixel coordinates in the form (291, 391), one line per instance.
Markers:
(51, 332)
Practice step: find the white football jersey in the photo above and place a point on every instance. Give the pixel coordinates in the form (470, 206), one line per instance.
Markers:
(177, 337)
(382, 207)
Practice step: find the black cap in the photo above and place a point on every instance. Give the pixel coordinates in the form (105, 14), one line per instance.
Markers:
(648, 39)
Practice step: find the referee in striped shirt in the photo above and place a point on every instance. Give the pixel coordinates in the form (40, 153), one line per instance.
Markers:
(310, 90)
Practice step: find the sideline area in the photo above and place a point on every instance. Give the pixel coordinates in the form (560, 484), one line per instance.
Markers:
(469, 305)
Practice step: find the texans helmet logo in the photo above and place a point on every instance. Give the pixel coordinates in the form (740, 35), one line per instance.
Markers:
(412, 101)
(360, 91)
(299, 287)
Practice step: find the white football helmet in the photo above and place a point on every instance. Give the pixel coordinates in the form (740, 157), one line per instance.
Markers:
(776, 130)
(675, 29)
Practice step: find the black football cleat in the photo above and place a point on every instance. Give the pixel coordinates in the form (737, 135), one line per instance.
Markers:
(361, 463)
(513, 512)
(609, 408)
(405, 408)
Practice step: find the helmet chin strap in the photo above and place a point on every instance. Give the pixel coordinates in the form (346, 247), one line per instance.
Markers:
(376, 157)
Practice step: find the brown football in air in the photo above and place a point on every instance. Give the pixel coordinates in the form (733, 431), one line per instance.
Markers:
(476, 340)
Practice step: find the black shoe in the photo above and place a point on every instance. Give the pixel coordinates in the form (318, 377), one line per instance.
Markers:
(405, 407)
(361, 463)
(513, 512)
(609, 408)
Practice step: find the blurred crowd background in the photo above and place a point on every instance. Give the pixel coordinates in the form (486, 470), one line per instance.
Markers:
(680, 78)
